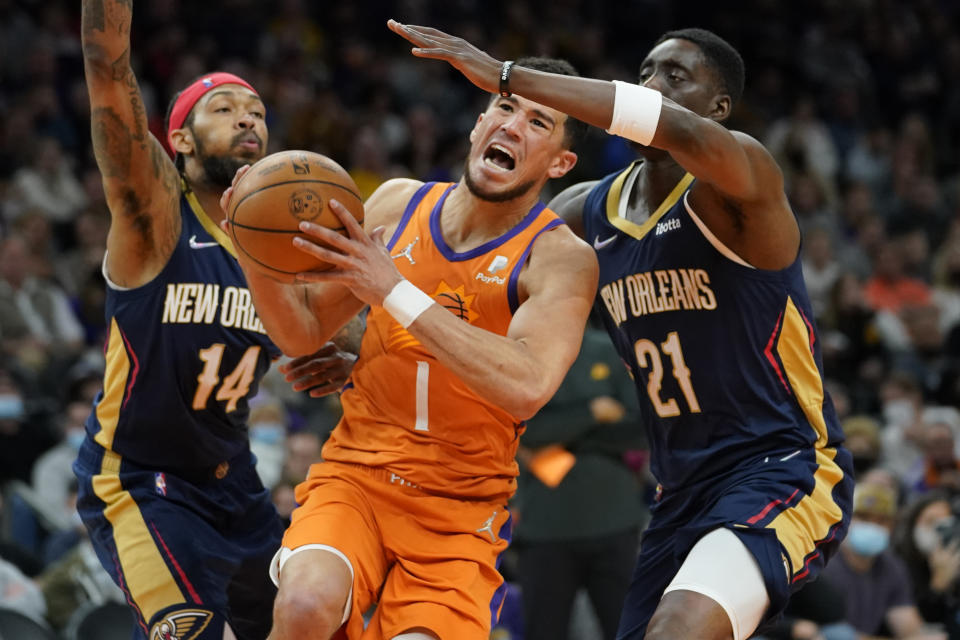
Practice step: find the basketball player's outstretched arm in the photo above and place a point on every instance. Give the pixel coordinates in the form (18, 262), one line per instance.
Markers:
(738, 168)
(140, 181)
(519, 371)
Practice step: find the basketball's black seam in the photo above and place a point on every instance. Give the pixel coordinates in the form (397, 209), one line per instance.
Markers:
(266, 230)
(279, 184)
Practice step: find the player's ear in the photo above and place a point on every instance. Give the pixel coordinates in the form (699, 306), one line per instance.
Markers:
(720, 109)
(562, 163)
(473, 132)
(182, 141)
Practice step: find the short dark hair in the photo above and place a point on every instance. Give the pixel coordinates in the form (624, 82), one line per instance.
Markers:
(720, 55)
(573, 130)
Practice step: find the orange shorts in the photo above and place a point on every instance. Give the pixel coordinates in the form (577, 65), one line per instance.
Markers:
(432, 560)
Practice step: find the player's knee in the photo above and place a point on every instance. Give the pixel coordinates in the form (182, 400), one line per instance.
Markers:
(686, 614)
(314, 613)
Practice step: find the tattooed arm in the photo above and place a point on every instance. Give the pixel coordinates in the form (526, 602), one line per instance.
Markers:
(141, 183)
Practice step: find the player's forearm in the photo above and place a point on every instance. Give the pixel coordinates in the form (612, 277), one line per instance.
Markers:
(585, 99)
(105, 34)
(500, 369)
(298, 318)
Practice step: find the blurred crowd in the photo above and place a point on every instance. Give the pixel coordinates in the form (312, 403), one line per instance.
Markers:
(858, 100)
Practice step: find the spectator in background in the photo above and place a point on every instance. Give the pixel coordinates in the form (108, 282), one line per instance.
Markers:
(801, 142)
(875, 581)
(821, 270)
(37, 324)
(890, 289)
(927, 538)
(863, 442)
(939, 468)
(24, 434)
(902, 410)
(852, 349)
(20, 593)
(46, 184)
(580, 505)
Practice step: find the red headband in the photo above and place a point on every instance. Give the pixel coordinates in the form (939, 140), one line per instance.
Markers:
(189, 97)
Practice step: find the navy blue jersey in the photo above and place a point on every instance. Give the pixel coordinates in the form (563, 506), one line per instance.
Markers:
(184, 354)
(725, 357)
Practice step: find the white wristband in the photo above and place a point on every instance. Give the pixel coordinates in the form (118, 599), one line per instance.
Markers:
(636, 112)
(406, 302)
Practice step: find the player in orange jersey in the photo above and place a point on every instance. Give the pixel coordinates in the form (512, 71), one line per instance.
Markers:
(478, 299)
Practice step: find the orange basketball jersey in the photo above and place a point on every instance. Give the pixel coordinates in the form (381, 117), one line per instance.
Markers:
(402, 409)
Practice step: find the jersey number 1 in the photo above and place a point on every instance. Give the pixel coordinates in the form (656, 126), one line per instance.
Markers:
(648, 357)
(235, 386)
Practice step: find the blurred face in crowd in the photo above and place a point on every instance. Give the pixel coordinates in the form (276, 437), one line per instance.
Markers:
(934, 516)
(11, 405)
(14, 258)
(225, 130)
(888, 262)
(938, 445)
(516, 146)
(303, 449)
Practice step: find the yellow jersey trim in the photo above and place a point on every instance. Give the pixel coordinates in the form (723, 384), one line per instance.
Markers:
(209, 225)
(148, 579)
(633, 229)
(114, 387)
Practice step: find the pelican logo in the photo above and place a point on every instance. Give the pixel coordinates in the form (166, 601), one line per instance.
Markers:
(488, 527)
(185, 624)
(407, 251)
(305, 204)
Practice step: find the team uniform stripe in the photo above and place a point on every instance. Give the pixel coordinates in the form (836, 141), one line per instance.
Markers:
(148, 579)
(132, 356)
(801, 529)
(208, 225)
(115, 381)
(499, 596)
(176, 565)
(768, 351)
(801, 369)
(813, 521)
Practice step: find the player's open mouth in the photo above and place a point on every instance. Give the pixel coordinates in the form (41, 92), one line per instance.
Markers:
(499, 158)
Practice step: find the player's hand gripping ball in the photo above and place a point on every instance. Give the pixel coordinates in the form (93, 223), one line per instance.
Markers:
(274, 196)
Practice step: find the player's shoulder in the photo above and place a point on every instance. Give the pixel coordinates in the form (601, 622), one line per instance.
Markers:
(561, 250)
(387, 203)
(569, 204)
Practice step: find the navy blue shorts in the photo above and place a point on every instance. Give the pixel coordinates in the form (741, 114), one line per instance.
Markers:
(791, 509)
(190, 553)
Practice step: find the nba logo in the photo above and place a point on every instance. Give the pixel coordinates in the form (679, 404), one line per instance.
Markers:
(160, 480)
(208, 82)
(499, 262)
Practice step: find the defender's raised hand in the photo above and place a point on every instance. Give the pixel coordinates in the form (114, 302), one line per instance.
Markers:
(480, 68)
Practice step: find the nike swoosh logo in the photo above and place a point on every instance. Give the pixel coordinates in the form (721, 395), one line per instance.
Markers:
(600, 244)
(200, 245)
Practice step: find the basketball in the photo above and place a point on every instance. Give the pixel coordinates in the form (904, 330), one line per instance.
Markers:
(274, 196)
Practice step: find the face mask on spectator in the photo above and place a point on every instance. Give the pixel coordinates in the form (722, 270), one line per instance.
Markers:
(75, 437)
(867, 538)
(899, 412)
(269, 433)
(11, 406)
(925, 539)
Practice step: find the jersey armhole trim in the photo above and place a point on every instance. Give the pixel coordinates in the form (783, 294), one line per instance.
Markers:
(724, 250)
